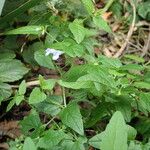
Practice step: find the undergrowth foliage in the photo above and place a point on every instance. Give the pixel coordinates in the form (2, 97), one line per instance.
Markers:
(103, 103)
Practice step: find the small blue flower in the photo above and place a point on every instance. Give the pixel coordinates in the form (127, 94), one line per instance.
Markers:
(55, 53)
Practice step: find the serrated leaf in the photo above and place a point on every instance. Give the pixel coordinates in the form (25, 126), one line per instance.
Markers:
(43, 60)
(35, 30)
(71, 117)
(110, 62)
(51, 138)
(29, 144)
(101, 23)
(36, 96)
(115, 134)
(88, 4)
(77, 30)
(52, 105)
(30, 122)
(5, 91)
(11, 70)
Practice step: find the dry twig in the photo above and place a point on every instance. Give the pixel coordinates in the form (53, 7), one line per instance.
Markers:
(131, 30)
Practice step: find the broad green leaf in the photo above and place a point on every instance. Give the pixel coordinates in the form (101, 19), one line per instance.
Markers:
(131, 133)
(144, 102)
(88, 4)
(96, 140)
(96, 114)
(101, 23)
(135, 57)
(77, 146)
(35, 30)
(36, 96)
(5, 91)
(1, 6)
(71, 117)
(110, 62)
(11, 71)
(6, 55)
(22, 88)
(132, 67)
(144, 9)
(31, 122)
(77, 30)
(29, 144)
(115, 134)
(135, 146)
(117, 9)
(142, 85)
(51, 106)
(19, 99)
(51, 138)
(76, 85)
(70, 47)
(47, 84)
(43, 60)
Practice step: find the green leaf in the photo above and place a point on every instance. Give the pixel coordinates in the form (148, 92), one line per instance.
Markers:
(131, 133)
(18, 11)
(88, 4)
(132, 67)
(22, 88)
(110, 62)
(51, 138)
(5, 91)
(70, 47)
(96, 114)
(76, 85)
(115, 134)
(11, 71)
(43, 60)
(77, 146)
(1, 6)
(29, 144)
(77, 30)
(47, 84)
(135, 57)
(71, 117)
(36, 96)
(31, 122)
(35, 30)
(95, 141)
(142, 85)
(144, 102)
(52, 105)
(144, 9)
(101, 23)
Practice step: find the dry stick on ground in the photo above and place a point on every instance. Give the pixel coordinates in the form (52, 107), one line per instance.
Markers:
(30, 83)
(131, 30)
(147, 45)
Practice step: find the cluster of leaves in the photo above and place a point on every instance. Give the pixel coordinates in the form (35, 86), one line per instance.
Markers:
(98, 89)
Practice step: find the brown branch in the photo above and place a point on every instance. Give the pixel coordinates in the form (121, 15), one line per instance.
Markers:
(131, 30)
